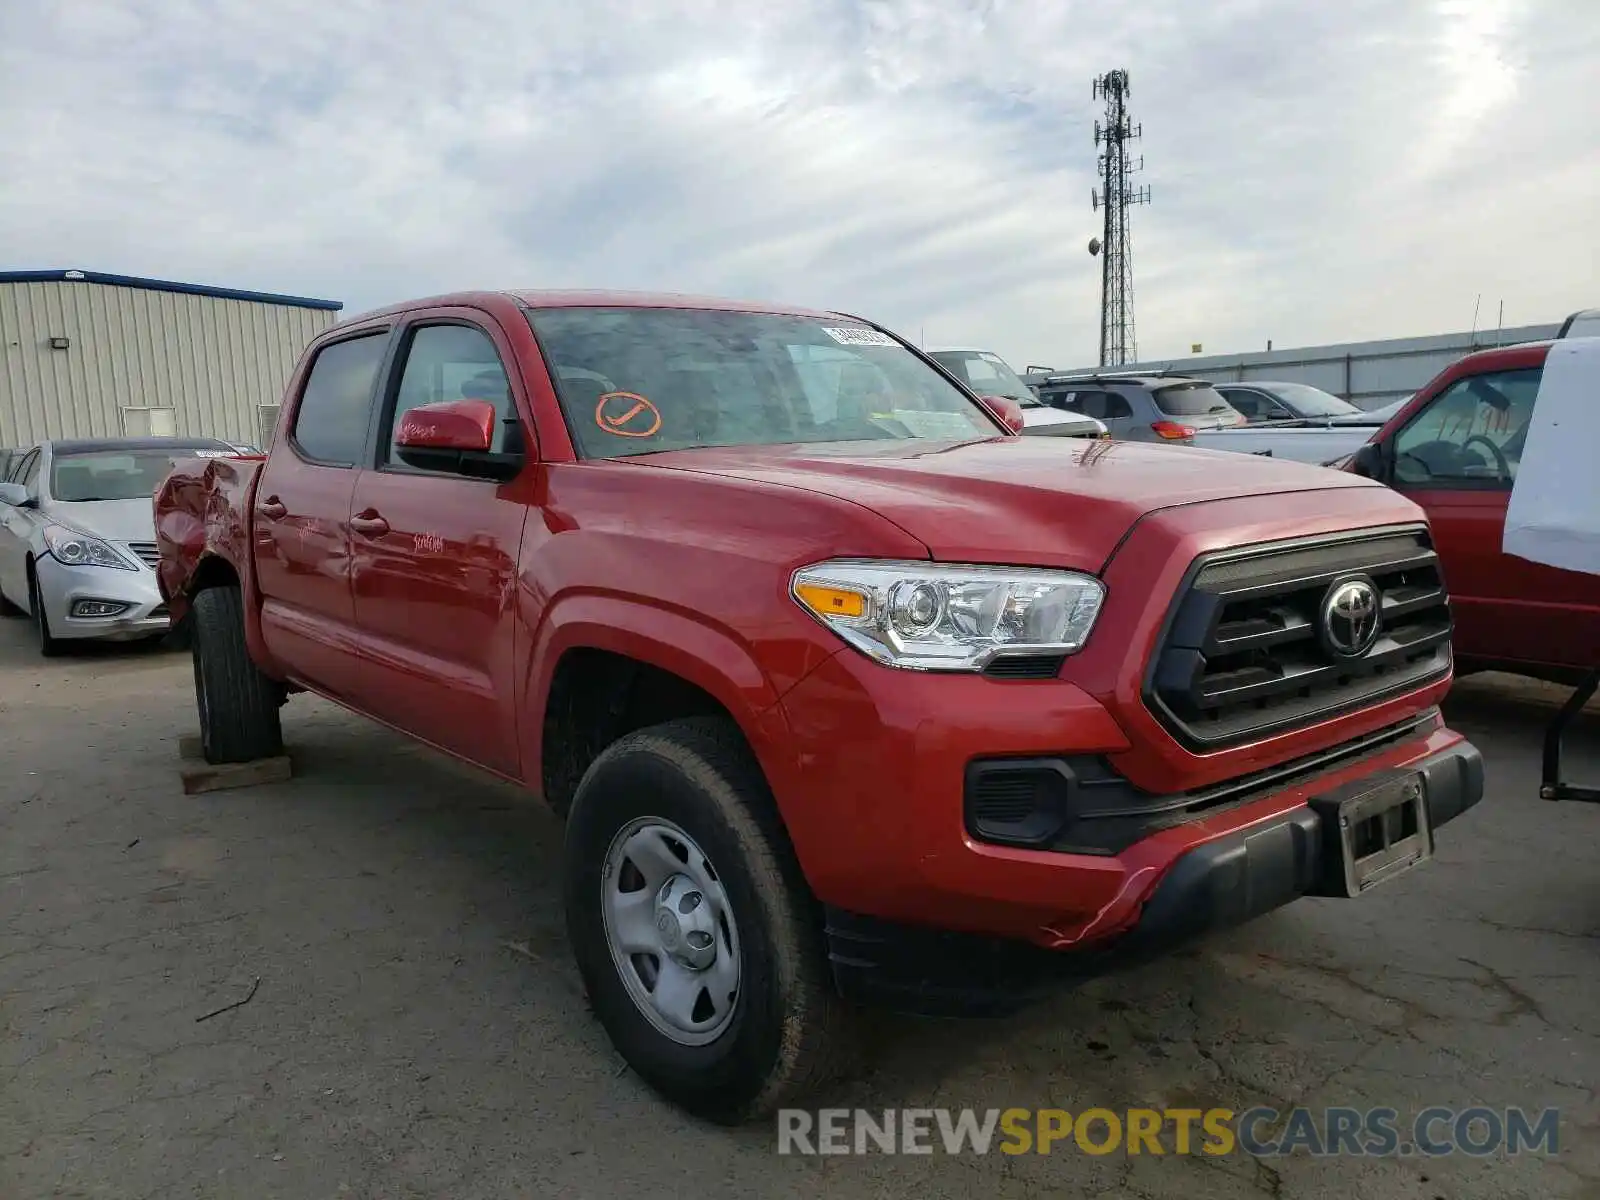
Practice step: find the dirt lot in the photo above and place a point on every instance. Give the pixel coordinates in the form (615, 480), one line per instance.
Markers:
(418, 1031)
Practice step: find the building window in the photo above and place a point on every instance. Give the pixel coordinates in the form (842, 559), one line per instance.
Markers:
(149, 422)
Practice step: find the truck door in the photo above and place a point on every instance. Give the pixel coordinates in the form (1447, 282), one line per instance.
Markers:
(1457, 457)
(302, 516)
(435, 556)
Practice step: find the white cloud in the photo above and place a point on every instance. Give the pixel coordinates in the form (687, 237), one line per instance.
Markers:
(1319, 171)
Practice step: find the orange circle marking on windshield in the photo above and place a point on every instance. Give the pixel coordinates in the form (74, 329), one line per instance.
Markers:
(627, 414)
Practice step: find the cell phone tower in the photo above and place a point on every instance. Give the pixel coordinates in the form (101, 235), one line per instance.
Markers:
(1116, 195)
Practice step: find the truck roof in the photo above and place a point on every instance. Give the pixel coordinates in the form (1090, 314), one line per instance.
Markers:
(578, 298)
(1522, 354)
(82, 445)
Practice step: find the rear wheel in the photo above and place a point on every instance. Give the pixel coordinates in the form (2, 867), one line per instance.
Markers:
(237, 704)
(49, 645)
(693, 928)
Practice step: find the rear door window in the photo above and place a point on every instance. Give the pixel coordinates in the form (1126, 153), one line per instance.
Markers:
(1089, 403)
(1251, 404)
(330, 424)
(1116, 408)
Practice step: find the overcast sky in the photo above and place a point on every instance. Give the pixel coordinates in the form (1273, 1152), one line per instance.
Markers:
(1321, 171)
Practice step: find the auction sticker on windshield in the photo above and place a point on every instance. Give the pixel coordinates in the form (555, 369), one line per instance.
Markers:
(855, 335)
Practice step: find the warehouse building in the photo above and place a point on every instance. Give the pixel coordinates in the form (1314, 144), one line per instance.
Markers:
(84, 354)
(1368, 374)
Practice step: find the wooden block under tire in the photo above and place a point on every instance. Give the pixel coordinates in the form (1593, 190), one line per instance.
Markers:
(201, 776)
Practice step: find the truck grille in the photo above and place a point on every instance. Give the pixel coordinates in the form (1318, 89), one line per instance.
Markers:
(1246, 652)
(147, 552)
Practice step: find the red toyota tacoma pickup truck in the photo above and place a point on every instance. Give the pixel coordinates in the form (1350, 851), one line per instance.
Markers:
(847, 692)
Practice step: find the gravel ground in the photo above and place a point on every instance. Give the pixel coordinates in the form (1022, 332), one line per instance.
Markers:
(418, 1030)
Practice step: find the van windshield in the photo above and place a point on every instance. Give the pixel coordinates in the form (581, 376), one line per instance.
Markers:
(642, 380)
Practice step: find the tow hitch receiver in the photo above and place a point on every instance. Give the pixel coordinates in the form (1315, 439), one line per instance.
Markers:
(1373, 831)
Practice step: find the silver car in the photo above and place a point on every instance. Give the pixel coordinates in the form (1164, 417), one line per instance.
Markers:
(1143, 408)
(77, 536)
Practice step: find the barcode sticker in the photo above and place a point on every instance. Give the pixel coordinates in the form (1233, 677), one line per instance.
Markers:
(856, 335)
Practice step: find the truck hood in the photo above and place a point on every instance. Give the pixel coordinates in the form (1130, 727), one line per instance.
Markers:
(1023, 500)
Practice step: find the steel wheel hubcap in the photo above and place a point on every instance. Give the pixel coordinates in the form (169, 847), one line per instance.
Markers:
(671, 931)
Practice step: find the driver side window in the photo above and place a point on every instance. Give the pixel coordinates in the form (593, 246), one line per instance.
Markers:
(1471, 435)
(453, 362)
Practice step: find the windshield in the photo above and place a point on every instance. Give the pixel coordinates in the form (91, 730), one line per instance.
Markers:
(1192, 400)
(1311, 401)
(987, 374)
(643, 380)
(81, 476)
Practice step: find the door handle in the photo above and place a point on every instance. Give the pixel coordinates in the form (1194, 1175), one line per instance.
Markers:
(272, 508)
(369, 524)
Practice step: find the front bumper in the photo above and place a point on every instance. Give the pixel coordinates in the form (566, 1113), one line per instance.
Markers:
(1220, 883)
(63, 588)
(870, 770)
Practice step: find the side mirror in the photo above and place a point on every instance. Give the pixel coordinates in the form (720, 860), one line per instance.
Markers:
(15, 495)
(1368, 461)
(454, 436)
(1008, 410)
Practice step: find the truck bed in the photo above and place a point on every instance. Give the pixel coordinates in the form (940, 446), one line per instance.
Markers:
(202, 510)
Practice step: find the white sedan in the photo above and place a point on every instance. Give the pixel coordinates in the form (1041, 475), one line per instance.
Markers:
(77, 536)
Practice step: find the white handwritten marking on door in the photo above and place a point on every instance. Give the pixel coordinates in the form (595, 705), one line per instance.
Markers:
(428, 543)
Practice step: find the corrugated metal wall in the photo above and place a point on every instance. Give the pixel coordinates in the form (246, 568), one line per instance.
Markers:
(1368, 374)
(212, 361)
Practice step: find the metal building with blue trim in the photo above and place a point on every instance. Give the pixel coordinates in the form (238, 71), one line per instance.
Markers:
(92, 354)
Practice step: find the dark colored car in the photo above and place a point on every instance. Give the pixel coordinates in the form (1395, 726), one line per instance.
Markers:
(1263, 401)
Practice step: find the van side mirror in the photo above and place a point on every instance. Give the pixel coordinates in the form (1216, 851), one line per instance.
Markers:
(15, 495)
(1369, 461)
(454, 436)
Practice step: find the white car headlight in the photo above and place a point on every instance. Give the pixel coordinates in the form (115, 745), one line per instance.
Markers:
(75, 549)
(940, 617)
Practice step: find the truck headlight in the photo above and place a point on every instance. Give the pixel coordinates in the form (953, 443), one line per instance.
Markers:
(940, 617)
(74, 549)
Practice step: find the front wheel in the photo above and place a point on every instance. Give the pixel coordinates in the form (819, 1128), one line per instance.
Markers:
(692, 926)
(237, 704)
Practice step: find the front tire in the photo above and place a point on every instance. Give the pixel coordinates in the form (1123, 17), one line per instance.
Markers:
(711, 980)
(237, 704)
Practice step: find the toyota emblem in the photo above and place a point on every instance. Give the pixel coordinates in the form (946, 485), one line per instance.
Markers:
(1349, 621)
